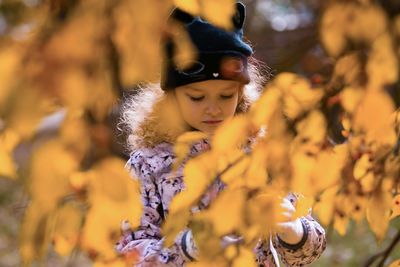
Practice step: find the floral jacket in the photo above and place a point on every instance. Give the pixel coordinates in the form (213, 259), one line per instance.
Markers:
(153, 167)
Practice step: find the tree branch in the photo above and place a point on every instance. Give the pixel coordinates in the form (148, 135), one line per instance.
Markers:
(384, 254)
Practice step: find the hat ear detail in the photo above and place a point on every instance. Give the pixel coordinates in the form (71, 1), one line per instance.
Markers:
(239, 16)
(182, 16)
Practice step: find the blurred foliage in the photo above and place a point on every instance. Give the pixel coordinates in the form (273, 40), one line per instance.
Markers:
(335, 140)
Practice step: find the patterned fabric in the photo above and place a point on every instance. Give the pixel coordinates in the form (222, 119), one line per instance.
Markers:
(153, 168)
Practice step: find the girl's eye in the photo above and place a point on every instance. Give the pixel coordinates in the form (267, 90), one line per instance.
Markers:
(196, 98)
(226, 96)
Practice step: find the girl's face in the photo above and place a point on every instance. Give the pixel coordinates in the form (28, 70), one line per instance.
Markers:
(205, 105)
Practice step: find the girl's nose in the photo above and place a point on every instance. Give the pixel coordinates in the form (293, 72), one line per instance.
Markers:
(213, 109)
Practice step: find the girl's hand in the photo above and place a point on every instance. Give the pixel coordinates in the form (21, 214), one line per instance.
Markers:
(126, 236)
(290, 232)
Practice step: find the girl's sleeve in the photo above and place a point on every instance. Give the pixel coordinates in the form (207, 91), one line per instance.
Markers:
(145, 245)
(308, 249)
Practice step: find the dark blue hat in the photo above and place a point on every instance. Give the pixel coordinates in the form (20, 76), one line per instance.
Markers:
(220, 54)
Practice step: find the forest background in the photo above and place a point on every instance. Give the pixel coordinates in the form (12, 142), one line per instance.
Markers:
(65, 66)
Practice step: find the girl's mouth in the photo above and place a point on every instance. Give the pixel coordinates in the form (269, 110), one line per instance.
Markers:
(212, 122)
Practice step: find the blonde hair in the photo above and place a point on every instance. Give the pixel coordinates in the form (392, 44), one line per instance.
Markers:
(151, 116)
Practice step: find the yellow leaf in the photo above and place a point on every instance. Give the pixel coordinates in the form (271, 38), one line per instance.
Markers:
(51, 166)
(198, 175)
(190, 6)
(35, 233)
(219, 13)
(116, 262)
(185, 53)
(329, 165)
(225, 212)
(368, 182)
(340, 217)
(246, 258)
(297, 94)
(348, 69)
(183, 144)
(395, 207)
(232, 134)
(67, 227)
(237, 167)
(378, 213)
(396, 263)
(175, 222)
(350, 98)
(373, 116)
(325, 206)
(312, 128)
(138, 28)
(263, 109)
(111, 184)
(7, 166)
(340, 223)
(75, 135)
(103, 95)
(361, 167)
(26, 113)
(256, 171)
(382, 65)
(302, 168)
(265, 212)
(10, 60)
(332, 32)
(113, 197)
(303, 206)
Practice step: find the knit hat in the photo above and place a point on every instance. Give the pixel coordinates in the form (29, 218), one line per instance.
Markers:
(221, 55)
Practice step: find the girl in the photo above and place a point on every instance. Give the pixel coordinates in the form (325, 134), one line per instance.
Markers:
(215, 88)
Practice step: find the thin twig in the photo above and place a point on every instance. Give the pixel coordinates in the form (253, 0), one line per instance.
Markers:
(389, 249)
(384, 254)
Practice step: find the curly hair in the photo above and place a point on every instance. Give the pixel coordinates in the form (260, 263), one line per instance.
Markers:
(151, 115)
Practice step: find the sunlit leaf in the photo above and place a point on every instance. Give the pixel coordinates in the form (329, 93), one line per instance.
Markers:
(395, 207)
(396, 263)
(49, 176)
(226, 211)
(303, 206)
(190, 6)
(326, 204)
(183, 145)
(361, 167)
(67, 227)
(245, 258)
(378, 213)
(373, 116)
(232, 134)
(219, 13)
(138, 28)
(35, 234)
(113, 197)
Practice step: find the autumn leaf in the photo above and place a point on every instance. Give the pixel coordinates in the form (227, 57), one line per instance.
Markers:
(378, 213)
(326, 205)
(245, 258)
(219, 13)
(233, 134)
(373, 116)
(396, 263)
(183, 144)
(395, 207)
(7, 165)
(303, 206)
(113, 197)
(51, 166)
(226, 211)
(35, 233)
(68, 220)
